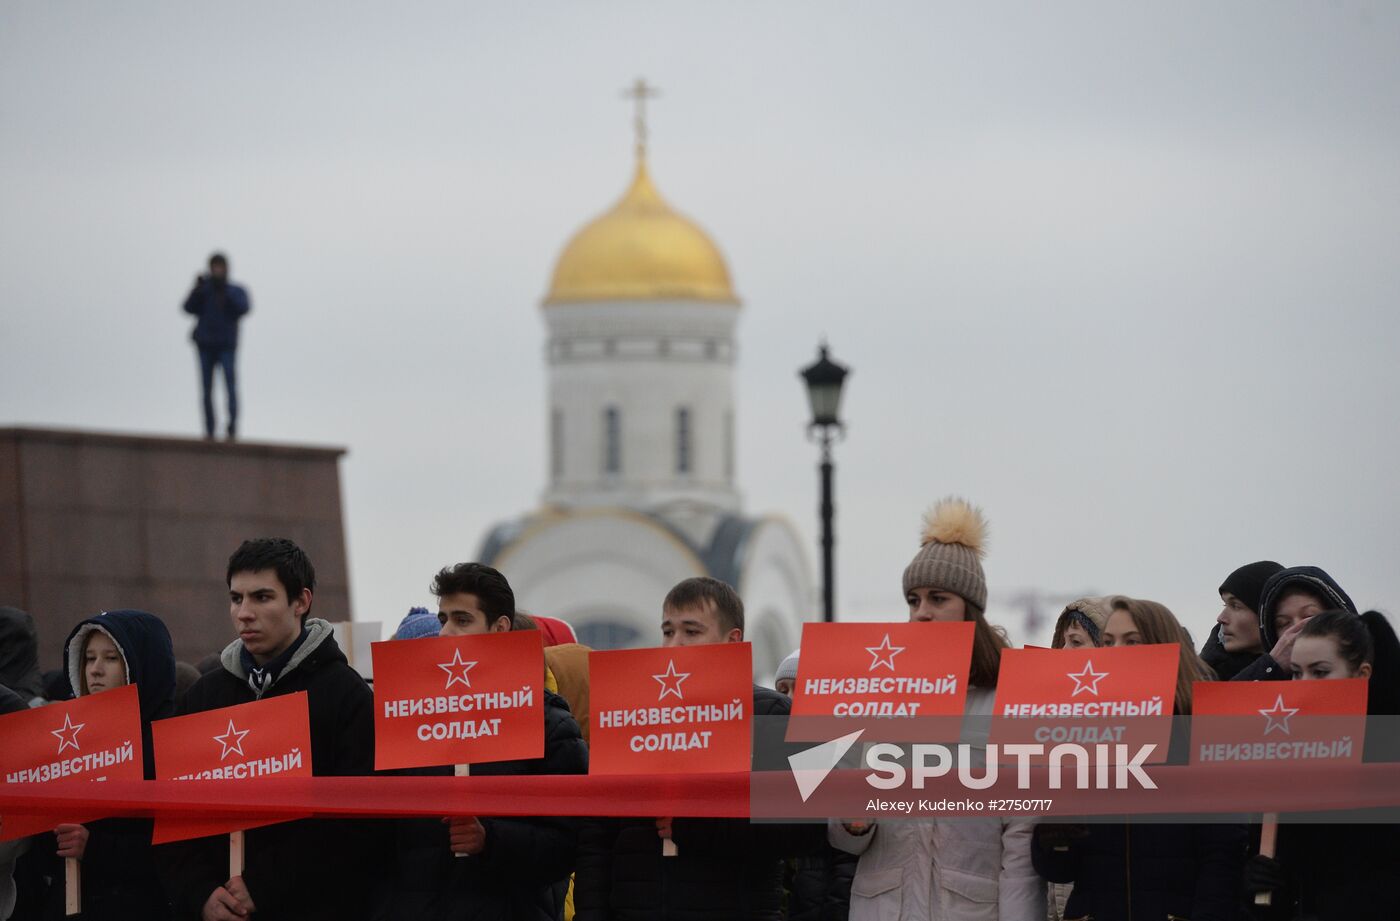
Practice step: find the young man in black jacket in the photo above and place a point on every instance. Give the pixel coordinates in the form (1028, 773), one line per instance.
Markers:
(487, 869)
(729, 869)
(304, 870)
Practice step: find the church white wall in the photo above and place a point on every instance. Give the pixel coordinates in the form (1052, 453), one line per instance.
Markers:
(647, 359)
(776, 586)
(608, 566)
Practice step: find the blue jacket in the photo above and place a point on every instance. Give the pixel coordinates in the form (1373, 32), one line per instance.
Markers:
(219, 308)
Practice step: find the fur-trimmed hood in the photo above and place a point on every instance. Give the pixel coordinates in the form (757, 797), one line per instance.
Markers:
(144, 643)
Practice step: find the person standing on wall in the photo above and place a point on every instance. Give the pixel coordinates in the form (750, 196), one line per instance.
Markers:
(219, 304)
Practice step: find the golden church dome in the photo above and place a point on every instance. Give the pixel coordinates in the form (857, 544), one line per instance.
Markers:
(640, 250)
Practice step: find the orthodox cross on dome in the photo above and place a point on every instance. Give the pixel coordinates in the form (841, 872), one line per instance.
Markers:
(639, 92)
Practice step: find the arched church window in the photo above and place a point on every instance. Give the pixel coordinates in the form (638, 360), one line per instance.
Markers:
(612, 440)
(683, 461)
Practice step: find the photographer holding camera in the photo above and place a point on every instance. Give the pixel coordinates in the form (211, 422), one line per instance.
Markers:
(219, 304)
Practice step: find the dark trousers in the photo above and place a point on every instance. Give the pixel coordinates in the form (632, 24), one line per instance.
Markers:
(209, 356)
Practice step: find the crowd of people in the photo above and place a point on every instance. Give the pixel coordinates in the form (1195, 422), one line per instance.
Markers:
(1277, 624)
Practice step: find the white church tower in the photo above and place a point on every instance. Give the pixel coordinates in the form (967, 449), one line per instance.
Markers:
(641, 318)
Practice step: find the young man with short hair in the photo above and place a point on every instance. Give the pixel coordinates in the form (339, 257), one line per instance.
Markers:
(473, 598)
(308, 869)
(728, 869)
(1234, 642)
(510, 868)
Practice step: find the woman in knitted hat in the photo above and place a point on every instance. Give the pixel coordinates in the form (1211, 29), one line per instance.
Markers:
(957, 868)
(945, 582)
(1080, 624)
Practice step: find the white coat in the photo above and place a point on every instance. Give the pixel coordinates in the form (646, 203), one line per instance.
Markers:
(953, 869)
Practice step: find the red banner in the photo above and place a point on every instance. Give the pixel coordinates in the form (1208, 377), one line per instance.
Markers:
(880, 671)
(666, 711)
(458, 699)
(94, 737)
(1279, 720)
(266, 738)
(1228, 789)
(1120, 695)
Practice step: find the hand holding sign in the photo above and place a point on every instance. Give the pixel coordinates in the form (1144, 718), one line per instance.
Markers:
(674, 710)
(466, 835)
(269, 737)
(458, 700)
(1103, 698)
(880, 671)
(93, 737)
(1266, 720)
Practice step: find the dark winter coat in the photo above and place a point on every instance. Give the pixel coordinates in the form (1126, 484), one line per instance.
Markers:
(1264, 668)
(10, 702)
(819, 888)
(1346, 869)
(523, 873)
(219, 306)
(120, 879)
(1149, 872)
(726, 869)
(19, 654)
(304, 870)
(1226, 664)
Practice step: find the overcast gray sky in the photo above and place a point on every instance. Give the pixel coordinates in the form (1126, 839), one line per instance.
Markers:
(1125, 276)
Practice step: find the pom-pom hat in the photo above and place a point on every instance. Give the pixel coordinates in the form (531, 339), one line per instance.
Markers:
(950, 557)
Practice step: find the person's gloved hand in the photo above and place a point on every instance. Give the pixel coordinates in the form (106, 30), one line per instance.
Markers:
(1060, 836)
(1263, 874)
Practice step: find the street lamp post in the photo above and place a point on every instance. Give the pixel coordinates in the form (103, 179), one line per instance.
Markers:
(824, 381)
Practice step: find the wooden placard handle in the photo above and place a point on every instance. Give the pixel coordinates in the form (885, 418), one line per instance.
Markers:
(461, 770)
(235, 854)
(72, 886)
(1268, 839)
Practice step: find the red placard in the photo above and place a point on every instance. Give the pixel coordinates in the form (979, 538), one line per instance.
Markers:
(1090, 695)
(879, 671)
(266, 738)
(94, 737)
(675, 710)
(1277, 720)
(458, 699)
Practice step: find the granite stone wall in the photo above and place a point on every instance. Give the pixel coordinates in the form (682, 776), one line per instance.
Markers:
(93, 521)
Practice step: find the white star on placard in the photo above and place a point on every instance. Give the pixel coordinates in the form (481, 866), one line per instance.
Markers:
(883, 654)
(1087, 680)
(671, 681)
(456, 665)
(67, 734)
(232, 741)
(1278, 716)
